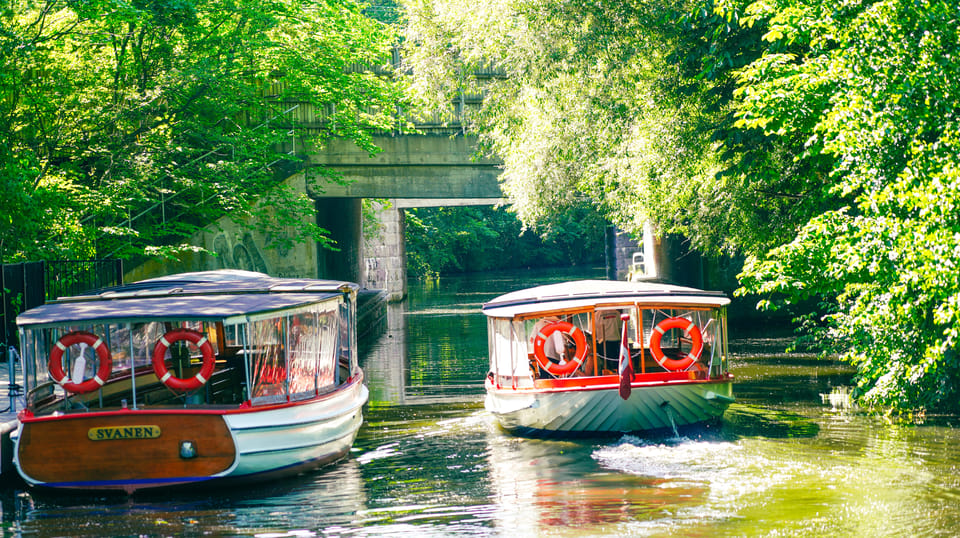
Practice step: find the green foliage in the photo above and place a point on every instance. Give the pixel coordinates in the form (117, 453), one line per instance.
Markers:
(819, 138)
(581, 116)
(127, 125)
(467, 239)
(875, 94)
(624, 105)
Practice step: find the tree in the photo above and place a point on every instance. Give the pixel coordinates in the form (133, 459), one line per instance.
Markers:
(879, 83)
(128, 126)
(617, 104)
(819, 138)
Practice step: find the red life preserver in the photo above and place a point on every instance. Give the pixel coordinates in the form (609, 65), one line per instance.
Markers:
(55, 366)
(570, 366)
(689, 329)
(160, 367)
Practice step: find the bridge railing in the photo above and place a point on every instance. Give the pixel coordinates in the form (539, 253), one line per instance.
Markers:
(305, 119)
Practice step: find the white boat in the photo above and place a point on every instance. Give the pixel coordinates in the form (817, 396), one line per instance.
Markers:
(198, 378)
(599, 356)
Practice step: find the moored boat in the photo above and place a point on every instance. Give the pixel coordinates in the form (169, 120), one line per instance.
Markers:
(198, 378)
(598, 356)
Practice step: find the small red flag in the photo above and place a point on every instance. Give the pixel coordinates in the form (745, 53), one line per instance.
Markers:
(625, 369)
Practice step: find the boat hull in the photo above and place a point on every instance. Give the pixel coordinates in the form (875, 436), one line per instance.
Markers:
(599, 408)
(141, 449)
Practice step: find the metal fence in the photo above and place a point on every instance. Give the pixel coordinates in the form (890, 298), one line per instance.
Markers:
(29, 284)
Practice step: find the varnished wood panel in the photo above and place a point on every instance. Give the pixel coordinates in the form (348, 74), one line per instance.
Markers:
(60, 451)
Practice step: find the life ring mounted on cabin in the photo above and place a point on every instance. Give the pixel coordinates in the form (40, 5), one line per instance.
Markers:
(571, 365)
(690, 329)
(166, 377)
(55, 366)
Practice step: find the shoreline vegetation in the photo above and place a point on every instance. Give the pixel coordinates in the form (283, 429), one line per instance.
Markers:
(818, 141)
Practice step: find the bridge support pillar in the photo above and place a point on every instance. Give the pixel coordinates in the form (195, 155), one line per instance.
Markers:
(342, 217)
(385, 253)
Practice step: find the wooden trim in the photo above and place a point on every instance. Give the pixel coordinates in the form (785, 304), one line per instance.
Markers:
(58, 451)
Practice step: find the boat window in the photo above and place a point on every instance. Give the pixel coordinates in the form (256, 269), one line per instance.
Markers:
(328, 326)
(139, 347)
(346, 339)
(304, 346)
(607, 329)
(312, 343)
(34, 355)
(676, 342)
(268, 368)
(509, 357)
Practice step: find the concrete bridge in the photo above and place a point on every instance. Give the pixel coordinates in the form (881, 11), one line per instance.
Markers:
(411, 171)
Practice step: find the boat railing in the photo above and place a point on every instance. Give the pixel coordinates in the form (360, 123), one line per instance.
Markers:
(593, 381)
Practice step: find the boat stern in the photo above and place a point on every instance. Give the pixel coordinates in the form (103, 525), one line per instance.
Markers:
(123, 451)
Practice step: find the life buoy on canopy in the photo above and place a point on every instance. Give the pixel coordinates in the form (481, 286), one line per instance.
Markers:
(690, 330)
(160, 367)
(55, 366)
(571, 365)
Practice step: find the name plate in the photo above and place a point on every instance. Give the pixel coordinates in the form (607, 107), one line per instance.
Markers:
(124, 432)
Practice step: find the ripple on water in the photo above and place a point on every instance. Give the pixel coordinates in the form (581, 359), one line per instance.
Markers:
(759, 486)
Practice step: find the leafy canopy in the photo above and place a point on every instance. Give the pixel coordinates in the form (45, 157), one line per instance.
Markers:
(130, 125)
(819, 138)
(881, 81)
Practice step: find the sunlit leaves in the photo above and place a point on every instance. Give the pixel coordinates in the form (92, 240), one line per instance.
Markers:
(876, 88)
(163, 115)
(586, 109)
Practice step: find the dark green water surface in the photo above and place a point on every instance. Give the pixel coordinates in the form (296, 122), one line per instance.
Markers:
(789, 459)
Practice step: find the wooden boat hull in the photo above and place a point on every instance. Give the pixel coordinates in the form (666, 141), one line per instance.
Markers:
(598, 407)
(130, 450)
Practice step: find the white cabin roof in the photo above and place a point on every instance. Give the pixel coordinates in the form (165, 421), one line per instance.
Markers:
(584, 293)
(211, 295)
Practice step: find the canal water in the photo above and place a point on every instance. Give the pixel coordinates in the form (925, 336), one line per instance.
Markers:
(790, 458)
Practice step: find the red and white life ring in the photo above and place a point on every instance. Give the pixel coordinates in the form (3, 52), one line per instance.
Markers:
(690, 330)
(571, 365)
(160, 367)
(55, 366)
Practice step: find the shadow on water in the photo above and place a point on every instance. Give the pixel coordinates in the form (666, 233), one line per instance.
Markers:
(756, 421)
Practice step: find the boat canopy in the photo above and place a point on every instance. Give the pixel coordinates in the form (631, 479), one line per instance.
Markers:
(585, 293)
(227, 295)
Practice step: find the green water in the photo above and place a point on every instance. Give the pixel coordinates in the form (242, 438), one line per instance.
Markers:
(430, 461)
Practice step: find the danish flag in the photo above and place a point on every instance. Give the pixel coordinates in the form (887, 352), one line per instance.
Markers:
(626, 371)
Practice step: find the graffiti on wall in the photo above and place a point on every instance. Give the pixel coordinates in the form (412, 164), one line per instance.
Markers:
(240, 253)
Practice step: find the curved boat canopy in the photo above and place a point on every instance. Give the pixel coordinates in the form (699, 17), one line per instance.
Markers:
(583, 293)
(210, 295)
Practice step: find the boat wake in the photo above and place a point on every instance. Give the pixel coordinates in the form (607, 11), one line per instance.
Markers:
(675, 458)
(704, 479)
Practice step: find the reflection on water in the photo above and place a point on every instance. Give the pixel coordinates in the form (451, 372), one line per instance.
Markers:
(787, 460)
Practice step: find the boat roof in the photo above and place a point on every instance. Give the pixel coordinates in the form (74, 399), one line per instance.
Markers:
(205, 295)
(584, 293)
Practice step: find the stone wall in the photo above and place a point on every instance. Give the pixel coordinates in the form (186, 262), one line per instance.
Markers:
(384, 254)
(232, 247)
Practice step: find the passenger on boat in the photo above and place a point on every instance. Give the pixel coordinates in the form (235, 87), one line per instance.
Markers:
(608, 340)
